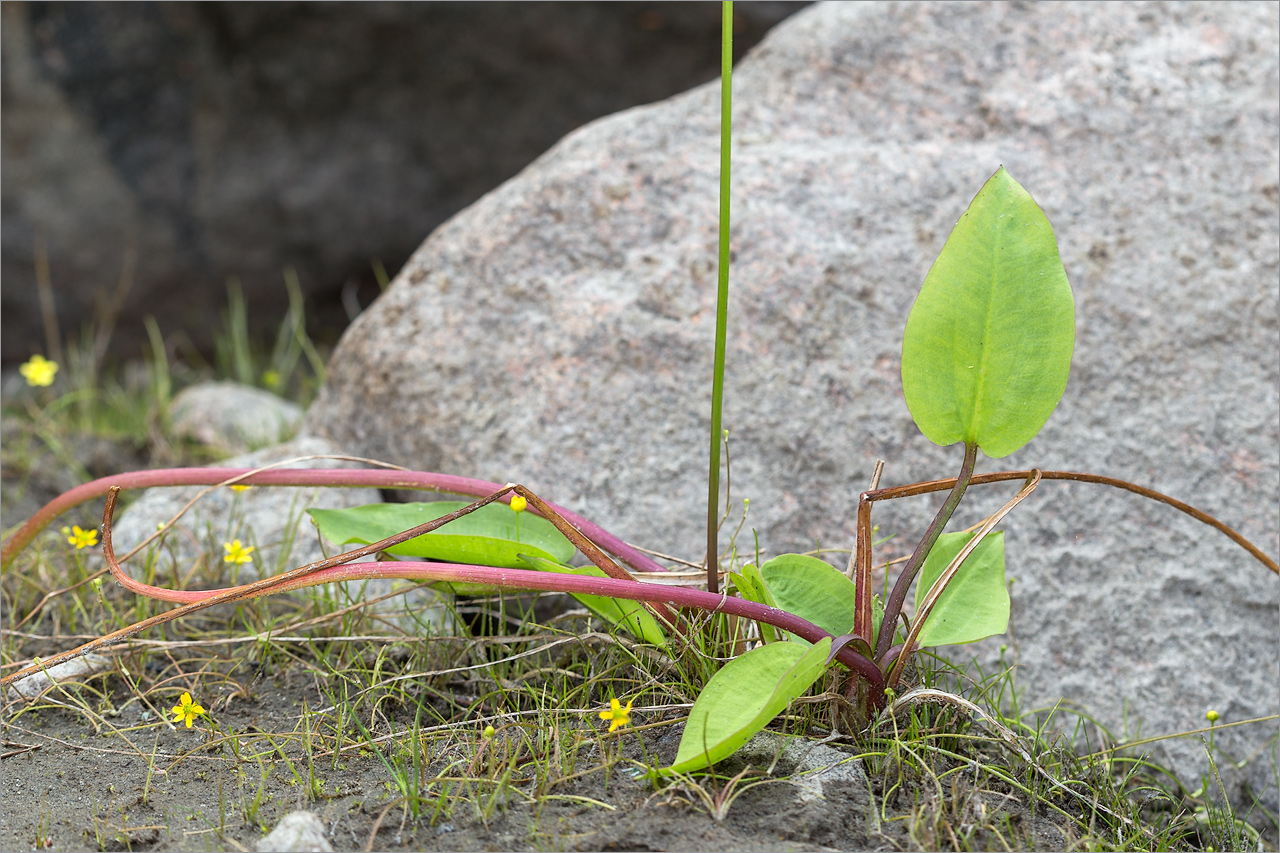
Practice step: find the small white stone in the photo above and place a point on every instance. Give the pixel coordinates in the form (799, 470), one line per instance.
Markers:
(77, 669)
(296, 832)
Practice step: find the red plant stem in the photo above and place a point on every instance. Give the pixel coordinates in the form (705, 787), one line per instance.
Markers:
(1079, 477)
(610, 587)
(426, 481)
(507, 578)
(333, 477)
(862, 614)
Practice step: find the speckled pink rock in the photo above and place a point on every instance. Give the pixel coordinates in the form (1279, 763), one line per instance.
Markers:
(559, 331)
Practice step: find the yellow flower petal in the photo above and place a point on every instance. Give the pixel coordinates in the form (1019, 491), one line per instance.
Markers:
(617, 715)
(237, 552)
(39, 371)
(83, 538)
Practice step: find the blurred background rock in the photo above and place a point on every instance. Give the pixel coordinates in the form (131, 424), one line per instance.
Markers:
(153, 152)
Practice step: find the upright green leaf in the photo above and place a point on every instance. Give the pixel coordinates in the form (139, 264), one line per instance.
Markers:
(486, 537)
(987, 346)
(975, 605)
(751, 586)
(813, 590)
(743, 697)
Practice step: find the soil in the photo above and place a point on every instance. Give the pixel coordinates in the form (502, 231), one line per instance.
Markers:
(67, 787)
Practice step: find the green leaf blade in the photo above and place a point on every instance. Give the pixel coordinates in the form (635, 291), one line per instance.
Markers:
(975, 605)
(987, 348)
(813, 590)
(486, 537)
(743, 697)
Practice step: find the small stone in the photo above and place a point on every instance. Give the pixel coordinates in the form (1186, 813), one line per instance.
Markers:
(232, 417)
(295, 833)
(807, 764)
(77, 669)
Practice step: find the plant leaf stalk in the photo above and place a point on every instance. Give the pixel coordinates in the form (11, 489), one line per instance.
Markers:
(336, 569)
(394, 477)
(575, 536)
(273, 475)
(940, 585)
(893, 607)
(722, 296)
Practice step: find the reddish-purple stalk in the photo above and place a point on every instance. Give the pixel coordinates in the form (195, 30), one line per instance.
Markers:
(516, 578)
(335, 477)
(526, 579)
(331, 570)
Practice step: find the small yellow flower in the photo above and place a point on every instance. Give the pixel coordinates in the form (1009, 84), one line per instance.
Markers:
(82, 538)
(518, 503)
(237, 553)
(39, 371)
(488, 732)
(617, 715)
(186, 710)
(240, 487)
(1211, 716)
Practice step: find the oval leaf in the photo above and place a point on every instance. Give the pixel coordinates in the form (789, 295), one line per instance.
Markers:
(813, 590)
(743, 697)
(486, 537)
(987, 347)
(975, 605)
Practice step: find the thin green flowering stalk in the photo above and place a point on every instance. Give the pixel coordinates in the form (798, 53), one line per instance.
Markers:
(722, 296)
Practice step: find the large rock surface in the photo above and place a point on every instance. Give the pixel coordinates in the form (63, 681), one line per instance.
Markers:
(559, 332)
(177, 145)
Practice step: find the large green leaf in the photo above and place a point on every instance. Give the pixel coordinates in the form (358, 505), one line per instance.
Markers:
(987, 347)
(751, 586)
(743, 697)
(486, 537)
(632, 615)
(975, 605)
(812, 590)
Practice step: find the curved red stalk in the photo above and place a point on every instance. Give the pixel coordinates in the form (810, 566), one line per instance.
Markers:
(333, 477)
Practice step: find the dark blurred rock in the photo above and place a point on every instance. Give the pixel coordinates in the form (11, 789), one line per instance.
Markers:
(206, 141)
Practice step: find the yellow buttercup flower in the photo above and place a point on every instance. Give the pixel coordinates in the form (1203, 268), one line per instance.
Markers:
(237, 553)
(82, 538)
(518, 503)
(186, 710)
(39, 371)
(617, 715)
